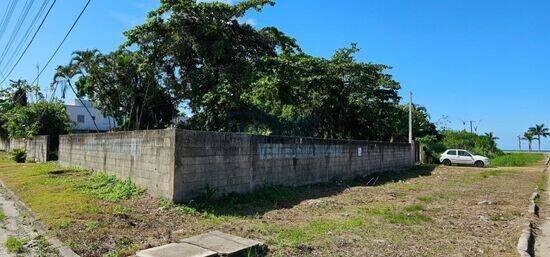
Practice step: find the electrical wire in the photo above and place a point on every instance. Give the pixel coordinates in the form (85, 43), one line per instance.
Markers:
(30, 42)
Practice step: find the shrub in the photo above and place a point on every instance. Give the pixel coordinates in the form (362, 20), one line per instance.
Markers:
(478, 144)
(14, 245)
(18, 155)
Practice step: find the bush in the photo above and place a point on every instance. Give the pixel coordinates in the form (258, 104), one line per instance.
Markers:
(14, 245)
(478, 144)
(18, 155)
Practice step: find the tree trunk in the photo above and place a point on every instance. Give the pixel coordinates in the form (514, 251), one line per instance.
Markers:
(539, 143)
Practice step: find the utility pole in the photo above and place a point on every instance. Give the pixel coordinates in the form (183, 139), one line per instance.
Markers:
(411, 142)
(410, 118)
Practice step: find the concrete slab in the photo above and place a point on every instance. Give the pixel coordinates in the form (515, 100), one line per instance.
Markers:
(224, 244)
(176, 250)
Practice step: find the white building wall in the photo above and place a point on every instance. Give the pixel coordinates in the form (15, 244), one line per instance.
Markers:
(81, 118)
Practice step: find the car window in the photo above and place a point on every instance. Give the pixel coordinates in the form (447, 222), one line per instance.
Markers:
(464, 153)
(451, 152)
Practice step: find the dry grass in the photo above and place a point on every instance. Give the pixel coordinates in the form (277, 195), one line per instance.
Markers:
(429, 212)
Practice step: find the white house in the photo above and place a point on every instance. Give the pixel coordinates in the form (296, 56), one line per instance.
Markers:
(81, 118)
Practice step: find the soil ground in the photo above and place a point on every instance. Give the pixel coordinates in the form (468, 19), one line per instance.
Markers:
(425, 211)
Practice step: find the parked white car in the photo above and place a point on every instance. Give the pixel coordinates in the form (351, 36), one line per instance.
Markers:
(460, 156)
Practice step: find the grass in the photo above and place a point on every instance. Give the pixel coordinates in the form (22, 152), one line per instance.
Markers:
(516, 159)
(496, 172)
(14, 245)
(103, 216)
(108, 187)
(2, 216)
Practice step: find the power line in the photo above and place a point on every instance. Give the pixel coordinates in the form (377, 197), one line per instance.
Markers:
(27, 33)
(30, 42)
(63, 41)
(17, 28)
(7, 17)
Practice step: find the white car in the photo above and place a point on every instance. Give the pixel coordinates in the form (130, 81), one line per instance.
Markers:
(460, 156)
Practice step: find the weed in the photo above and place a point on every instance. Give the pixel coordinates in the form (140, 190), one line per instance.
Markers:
(18, 155)
(409, 215)
(541, 183)
(415, 207)
(2, 216)
(496, 172)
(14, 245)
(426, 198)
(110, 188)
(92, 224)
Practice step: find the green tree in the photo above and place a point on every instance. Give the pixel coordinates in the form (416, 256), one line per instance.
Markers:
(40, 118)
(539, 131)
(122, 85)
(528, 136)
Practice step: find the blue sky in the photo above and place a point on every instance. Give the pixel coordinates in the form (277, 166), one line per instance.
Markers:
(486, 61)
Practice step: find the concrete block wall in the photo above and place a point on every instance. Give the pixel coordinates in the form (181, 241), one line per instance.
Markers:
(230, 162)
(146, 157)
(36, 148)
(180, 164)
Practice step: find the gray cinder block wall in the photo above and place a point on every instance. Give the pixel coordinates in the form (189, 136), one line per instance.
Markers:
(36, 148)
(146, 157)
(180, 164)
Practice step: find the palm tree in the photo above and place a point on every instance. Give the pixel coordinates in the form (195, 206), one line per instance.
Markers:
(539, 131)
(491, 136)
(63, 76)
(529, 138)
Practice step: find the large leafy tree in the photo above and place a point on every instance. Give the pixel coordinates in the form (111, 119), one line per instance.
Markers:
(122, 85)
(330, 98)
(234, 77)
(206, 57)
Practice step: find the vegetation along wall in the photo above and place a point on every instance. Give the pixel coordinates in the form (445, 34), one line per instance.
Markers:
(36, 148)
(181, 164)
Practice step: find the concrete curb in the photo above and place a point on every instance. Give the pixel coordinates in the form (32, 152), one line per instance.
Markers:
(533, 208)
(526, 240)
(63, 250)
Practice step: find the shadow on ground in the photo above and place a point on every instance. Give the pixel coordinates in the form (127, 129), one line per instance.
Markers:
(282, 197)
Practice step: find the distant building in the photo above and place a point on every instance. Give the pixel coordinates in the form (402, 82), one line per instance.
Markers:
(82, 122)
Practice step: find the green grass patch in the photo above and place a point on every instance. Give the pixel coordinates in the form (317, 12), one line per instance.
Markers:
(110, 188)
(496, 173)
(14, 245)
(315, 230)
(516, 159)
(2, 216)
(409, 215)
(541, 183)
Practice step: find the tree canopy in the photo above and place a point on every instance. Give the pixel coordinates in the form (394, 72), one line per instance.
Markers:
(234, 77)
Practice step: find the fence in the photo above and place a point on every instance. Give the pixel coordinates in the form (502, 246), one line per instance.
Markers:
(180, 164)
(36, 148)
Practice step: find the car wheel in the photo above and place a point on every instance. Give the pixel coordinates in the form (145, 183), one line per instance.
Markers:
(480, 164)
(447, 162)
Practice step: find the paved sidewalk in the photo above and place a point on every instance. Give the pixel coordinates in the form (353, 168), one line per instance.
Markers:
(16, 225)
